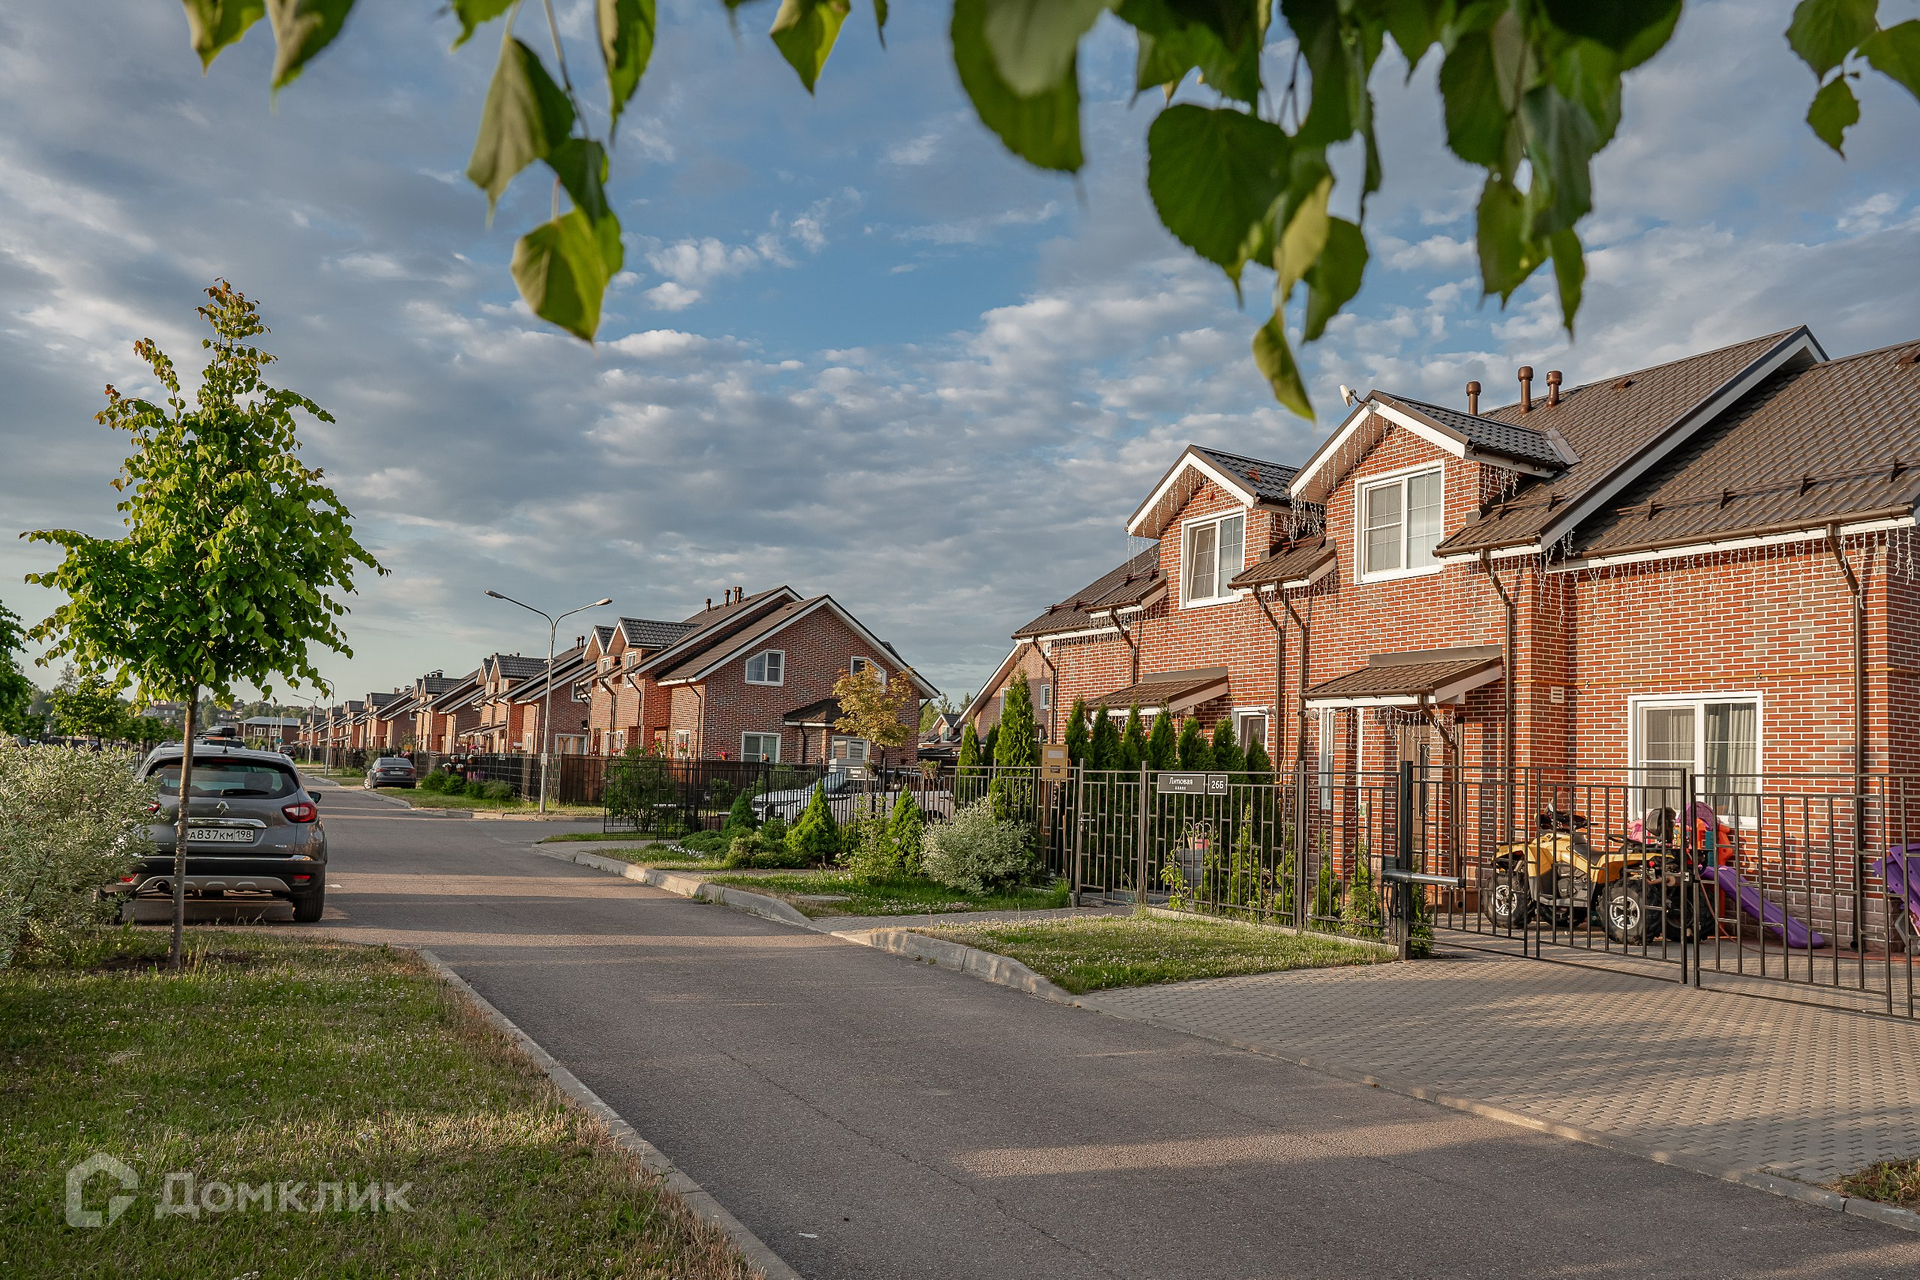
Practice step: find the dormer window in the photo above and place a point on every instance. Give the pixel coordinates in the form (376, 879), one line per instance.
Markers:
(769, 667)
(867, 664)
(1399, 522)
(1212, 553)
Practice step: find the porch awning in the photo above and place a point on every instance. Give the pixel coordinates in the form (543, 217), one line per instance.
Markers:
(1168, 691)
(815, 715)
(1419, 678)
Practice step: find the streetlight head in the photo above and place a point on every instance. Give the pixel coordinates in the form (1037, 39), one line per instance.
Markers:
(604, 600)
(496, 595)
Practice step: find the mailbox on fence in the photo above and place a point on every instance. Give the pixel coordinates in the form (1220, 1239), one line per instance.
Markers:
(1055, 764)
(1192, 784)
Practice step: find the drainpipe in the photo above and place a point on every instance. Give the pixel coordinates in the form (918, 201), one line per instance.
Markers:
(1300, 707)
(1128, 637)
(1053, 697)
(1859, 728)
(1279, 658)
(1506, 682)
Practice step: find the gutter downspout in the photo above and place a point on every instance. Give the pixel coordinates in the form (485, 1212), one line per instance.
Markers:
(1506, 681)
(1279, 657)
(1859, 727)
(1128, 637)
(1300, 911)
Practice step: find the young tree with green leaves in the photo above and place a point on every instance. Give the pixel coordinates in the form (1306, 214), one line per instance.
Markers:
(815, 835)
(1076, 736)
(16, 691)
(1133, 740)
(876, 708)
(1018, 746)
(84, 707)
(232, 553)
(968, 758)
(1161, 753)
(1227, 756)
(1530, 92)
(990, 746)
(1259, 765)
(906, 829)
(1103, 742)
(1194, 751)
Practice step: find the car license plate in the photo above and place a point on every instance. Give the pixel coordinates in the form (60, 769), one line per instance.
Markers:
(219, 835)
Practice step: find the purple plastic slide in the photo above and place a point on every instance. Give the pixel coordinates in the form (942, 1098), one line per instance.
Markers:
(1901, 886)
(1755, 905)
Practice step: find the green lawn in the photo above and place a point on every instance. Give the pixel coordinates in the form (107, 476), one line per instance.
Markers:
(887, 898)
(440, 800)
(611, 836)
(1093, 953)
(1894, 1182)
(282, 1059)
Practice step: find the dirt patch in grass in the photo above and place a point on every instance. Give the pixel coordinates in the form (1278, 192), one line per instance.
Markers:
(1894, 1182)
(1093, 954)
(315, 1064)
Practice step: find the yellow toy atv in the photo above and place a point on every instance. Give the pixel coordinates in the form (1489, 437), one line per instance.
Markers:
(1560, 876)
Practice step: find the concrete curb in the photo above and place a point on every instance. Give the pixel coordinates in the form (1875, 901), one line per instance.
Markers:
(688, 886)
(697, 1197)
(1001, 970)
(1006, 972)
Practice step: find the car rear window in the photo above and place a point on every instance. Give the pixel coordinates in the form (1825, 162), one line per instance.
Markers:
(393, 762)
(232, 779)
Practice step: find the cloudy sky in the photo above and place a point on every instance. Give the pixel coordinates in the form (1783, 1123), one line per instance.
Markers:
(859, 348)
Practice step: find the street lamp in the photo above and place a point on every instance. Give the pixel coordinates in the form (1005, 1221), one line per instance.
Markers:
(546, 708)
(327, 746)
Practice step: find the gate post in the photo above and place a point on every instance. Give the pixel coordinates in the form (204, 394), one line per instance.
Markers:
(1403, 861)
(1140, 846)
(1079, 825)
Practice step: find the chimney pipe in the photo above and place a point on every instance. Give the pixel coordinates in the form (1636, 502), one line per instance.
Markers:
(1553, 386)
(1473, 397)
(709, 604)
(1526, 388)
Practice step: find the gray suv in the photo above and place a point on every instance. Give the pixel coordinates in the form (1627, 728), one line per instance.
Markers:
(252, 827)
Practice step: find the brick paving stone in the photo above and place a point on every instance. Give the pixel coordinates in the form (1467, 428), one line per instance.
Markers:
(1723, 1079)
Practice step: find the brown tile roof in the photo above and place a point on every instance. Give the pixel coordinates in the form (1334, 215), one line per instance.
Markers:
(715, 625)
(1268, 480)
(1289, 563)
(748, 630)
(1168, 690)
(1836, 441)
(1485, 434)
(1413, 675)
(652, 633)
(825, 711)
(1606, 422)
(1126, 584)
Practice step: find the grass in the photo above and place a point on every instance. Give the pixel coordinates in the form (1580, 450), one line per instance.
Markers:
(904, 897)
(570, 837)
(1092, 954)
(440, 800)
(277, 1059)
(1894, 1182)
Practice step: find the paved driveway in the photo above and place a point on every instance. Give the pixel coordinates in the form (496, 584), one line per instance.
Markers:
(872, 1117)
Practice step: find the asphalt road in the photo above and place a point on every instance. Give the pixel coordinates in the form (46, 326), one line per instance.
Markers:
(868, 1116)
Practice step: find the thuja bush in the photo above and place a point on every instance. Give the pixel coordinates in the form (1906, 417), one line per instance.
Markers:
(816, 836)
(71, 823)
(978, 852)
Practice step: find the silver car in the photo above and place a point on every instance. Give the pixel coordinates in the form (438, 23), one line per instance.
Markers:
(252, 827)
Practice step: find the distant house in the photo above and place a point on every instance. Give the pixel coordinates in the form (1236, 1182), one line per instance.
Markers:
(560, 689)
(502, 726)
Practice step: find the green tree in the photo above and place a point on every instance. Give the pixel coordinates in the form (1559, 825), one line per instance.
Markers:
(907, 830)
(1103, 743)
(1360, 913)
(1227, 755)
(1018, 746)
(84, 707)
(1133, 741)
(1194, 753)
(990, 746)
(1259, 766)
(876, 708)
(1530, 92)
(16, 691)
(232, 550)
(816, 836)
(1076, 736)
(740, 820)
(1161, 753)
(968, 758)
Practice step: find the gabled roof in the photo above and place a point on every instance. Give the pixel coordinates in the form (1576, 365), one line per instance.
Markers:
(1475, 437)
(600, 637)
(1128, 583)
(1622, 425)
(513, 666)
(1293, 564)
(1251, 480)
(651, 633)
(712, 626)
(825, 711)
(466, 685)
(739, 640)
(1524, 443)
(432, 685)
(565, 667)
(380, 701)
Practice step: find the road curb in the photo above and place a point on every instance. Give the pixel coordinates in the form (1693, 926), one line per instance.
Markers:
(1003, 971)
(697, 1197)
(689, 886)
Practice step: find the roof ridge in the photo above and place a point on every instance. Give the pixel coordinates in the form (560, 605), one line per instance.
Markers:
(1770, 338)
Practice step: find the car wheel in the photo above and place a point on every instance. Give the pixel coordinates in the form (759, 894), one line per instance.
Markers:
(1626, 911)
(1506, 902)
(308, 906)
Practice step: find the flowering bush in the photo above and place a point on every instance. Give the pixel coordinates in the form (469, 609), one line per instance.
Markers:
(977, 851)
(71, 823)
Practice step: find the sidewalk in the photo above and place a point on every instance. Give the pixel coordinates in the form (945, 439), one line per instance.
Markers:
(1713, 1080)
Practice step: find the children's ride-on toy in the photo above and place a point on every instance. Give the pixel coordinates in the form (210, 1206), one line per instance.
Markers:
(1898, 869)
(1633, 889)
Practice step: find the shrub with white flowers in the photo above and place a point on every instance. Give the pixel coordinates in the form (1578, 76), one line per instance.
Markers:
(977, 851)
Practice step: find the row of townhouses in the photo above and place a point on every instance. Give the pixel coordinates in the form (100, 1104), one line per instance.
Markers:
(748, 678)
(1706, 565)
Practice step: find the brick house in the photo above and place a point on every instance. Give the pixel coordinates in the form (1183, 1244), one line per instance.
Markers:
(453, 713)
(569, 699)
(616, 692)
(425, 726)
(501, 725)
(1705, 565)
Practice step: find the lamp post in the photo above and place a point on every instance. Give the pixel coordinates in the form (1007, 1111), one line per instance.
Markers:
(546, 707)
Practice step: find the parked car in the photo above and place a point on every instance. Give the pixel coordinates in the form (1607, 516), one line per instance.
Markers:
(252, 828)
(391, 771)
(788, 805)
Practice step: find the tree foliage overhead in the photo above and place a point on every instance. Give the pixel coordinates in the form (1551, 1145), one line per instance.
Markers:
(233, 547)
(1238, 169)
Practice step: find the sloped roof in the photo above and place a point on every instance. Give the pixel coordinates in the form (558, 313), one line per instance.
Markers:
(1608, 423)
(1412, 677)
(738, 640)
(1170, 691)
(1485, 434)
(1268, 480)
(652, 633)
(515, 667)
(1127, 583)
(432, 685)
(825, 711)
(565, 665)
(467, 684)
(1251, 480)
(1838, 440)
(1291, 562)
(380, 701)
(712, 626)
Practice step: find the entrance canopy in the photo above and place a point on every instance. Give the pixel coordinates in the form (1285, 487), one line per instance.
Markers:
(1420, 678)
(815, 715)
(1168, 691)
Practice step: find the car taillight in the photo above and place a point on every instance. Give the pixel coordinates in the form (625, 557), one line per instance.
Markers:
(302, 812)
(153, 807)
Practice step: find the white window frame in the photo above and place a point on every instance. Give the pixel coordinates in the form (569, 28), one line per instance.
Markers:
(1323, 748)
(1403, 477)
(683, 742)
(1264, 716)
(854, 667)
(761, 733)
(866, 750)
(1222, 593)
(747, 668)
(1046, 703)
(1699, 702)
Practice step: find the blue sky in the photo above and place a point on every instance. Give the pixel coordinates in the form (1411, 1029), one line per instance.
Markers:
(859, 348)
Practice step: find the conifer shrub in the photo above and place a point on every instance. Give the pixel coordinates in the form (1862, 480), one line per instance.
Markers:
(816, 836)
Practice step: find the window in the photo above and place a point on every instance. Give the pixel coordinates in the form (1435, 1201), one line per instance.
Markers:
(849, 751)
(1715, 737)
(861, 664)
(767, 668)
(760, 746)
(1326, 757)
(1043, 696)
(1213, 556)
(1400, 524)
(1249, 727)
(683, 742)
